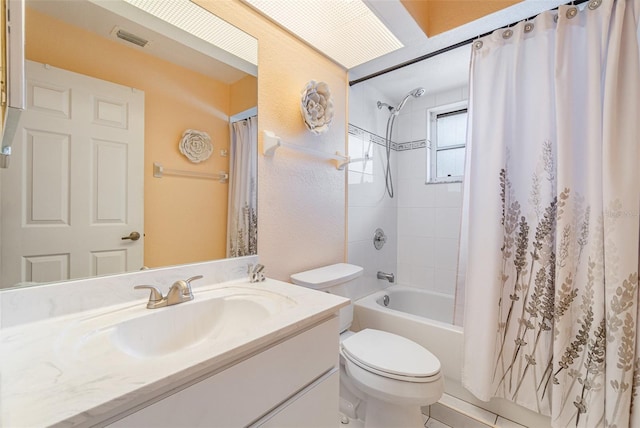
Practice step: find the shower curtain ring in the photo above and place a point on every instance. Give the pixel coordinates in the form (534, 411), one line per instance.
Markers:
(594, 4)
(477, 44)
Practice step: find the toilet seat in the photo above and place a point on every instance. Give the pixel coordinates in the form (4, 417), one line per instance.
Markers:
(391, 356)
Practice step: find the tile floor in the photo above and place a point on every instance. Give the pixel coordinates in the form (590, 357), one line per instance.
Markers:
(451, 412)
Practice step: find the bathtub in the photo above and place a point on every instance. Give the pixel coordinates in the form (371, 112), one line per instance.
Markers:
(420, 315)
(426, 318)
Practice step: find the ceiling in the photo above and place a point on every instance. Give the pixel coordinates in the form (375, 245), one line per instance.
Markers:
(448, 21)
(437, 74)
(104, 18)
(437, 16)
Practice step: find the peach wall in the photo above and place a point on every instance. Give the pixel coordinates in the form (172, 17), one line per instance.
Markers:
(301, 199)
(438, 16)
(178, 211)
(243, 95)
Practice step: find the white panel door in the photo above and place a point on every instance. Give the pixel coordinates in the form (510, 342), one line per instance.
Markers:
(74, 187)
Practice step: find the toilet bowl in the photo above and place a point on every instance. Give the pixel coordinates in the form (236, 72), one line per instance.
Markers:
(384, 378)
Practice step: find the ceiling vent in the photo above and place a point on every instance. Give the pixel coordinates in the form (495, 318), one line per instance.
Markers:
(129, 37)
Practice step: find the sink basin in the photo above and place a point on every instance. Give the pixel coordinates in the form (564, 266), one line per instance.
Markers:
(215, 315)
(176, 327)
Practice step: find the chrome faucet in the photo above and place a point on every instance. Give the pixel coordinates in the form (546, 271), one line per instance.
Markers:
(179, 292)
(255, 273)
(388, 276)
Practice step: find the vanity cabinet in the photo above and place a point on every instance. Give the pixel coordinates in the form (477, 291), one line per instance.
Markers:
(290, 383)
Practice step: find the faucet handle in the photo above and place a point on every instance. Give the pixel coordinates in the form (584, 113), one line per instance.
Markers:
(193, 278)
(188, 283)
(184, 285)
(255, 273)
(155, 297)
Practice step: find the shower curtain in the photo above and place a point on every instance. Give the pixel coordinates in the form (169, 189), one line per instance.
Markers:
(242, 223)
(550, 228)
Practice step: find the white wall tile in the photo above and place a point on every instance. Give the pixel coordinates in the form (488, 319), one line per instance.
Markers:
(416, 251)
(422, 277)
(402, 127)
(415, 193)
(403, 164)
(424, 102)
(412, 164)
(361, 223)
(356, 112)
(403, 273)
(367, 193)
(444, 281)
(445, 253)
(366, 285)
(448, 97)
(356, 253)
(356, 150)
(418, 125)
(403, 221)
(422, 221)
(448, 194)
(447, 222)
(377, 117)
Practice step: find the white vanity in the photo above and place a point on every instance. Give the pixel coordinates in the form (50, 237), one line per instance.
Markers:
(238, 354)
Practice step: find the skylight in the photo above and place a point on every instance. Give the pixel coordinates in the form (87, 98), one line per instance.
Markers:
(201, 23)
(347, 31)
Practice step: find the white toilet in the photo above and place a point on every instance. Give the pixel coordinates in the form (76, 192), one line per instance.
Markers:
(384, 378)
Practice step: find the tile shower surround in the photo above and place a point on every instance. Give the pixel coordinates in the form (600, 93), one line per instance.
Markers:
(427, 216)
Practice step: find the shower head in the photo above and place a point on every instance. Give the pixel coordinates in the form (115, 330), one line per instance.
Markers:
(417, 92)
(381, 104)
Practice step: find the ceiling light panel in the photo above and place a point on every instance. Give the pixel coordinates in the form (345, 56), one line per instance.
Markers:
(203, 24)
(344, 30)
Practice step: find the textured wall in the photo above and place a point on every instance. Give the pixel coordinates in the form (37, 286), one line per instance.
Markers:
(301, 199)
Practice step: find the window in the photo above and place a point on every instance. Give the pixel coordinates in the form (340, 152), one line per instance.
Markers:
(446, 143)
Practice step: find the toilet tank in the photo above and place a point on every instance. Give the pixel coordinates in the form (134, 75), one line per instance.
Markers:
(338, 279)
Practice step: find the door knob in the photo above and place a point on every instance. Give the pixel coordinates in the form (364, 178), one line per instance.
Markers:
(134, 236)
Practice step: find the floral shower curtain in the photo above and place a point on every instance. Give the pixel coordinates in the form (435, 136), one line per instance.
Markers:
(242, 223)
(550, 226)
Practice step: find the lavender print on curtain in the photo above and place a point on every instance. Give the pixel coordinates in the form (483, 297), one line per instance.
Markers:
(242, 221)
(551, 224)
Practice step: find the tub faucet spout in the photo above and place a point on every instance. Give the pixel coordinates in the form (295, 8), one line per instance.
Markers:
(388, 276)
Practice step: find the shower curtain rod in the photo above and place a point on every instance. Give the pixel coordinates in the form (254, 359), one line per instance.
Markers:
(445, 49)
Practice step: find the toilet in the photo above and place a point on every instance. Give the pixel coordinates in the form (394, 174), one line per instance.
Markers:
(384, 378)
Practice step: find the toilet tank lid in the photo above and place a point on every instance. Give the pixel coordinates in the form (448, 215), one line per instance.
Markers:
(327, 276)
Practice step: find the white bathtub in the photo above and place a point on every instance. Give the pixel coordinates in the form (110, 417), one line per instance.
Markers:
(426, 318)
(419, 315)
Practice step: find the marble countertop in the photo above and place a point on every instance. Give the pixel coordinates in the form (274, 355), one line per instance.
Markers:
(50, 376)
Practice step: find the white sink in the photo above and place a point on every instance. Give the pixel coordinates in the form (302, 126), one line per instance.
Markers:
(214, 315)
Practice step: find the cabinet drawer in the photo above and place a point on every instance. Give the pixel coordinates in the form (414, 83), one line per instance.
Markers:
(314, 407)
(249, 389)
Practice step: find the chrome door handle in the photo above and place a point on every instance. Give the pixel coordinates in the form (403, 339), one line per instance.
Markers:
(134, 236)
